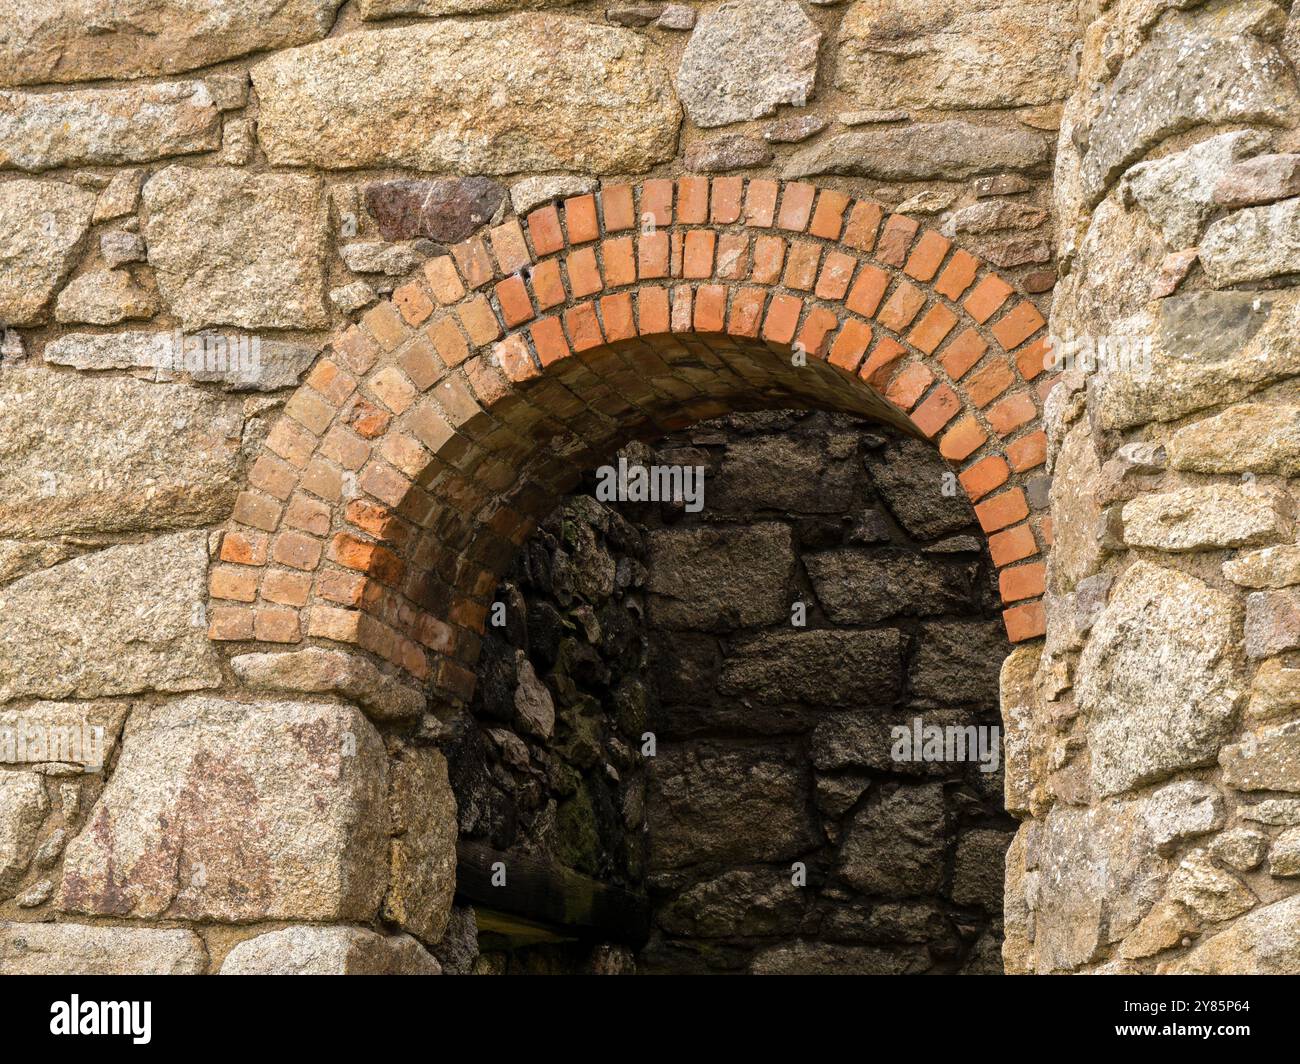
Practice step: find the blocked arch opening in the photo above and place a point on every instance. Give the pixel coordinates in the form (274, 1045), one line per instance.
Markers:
(431, 437)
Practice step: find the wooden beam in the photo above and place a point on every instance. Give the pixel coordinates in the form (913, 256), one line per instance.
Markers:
(544, 893)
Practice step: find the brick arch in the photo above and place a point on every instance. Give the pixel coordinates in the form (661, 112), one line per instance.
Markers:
(431, 437)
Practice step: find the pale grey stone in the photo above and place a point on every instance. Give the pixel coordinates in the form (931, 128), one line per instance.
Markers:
(1267, 942)
(81, 949)
(872, 116)
(1177, 191)
(1160, 678)
(1240, 849)
(1207, 517)
(745, 58)
(534, 191)
(42, 224)
(119, 247)
(1248, 437)
(106, 127)
(1209, 891)
(1284, 857)
(988, 216)
(321, 670)
(329, 951)
(795, 129)
(534, 707)
(377, 9)
(1018, 695)
(1267, 760)
(352, 297)
(1263, 179)
(23, 806)
(1272, 622)
(103, 297)
(1253, 244)
(1275, 690)
(1273, 811)
(1180, 811)
(85, 40)
(422, 812)
(84, 454)
(121, 195)
(304, 782)
(727, 153)
(233, 248)
(377, 256)
(957, 54)
(1204, 67)
(117, 621)
(472, 98)
(1268, 567)
(947, 149)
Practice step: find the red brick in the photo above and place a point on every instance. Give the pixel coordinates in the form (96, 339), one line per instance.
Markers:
(512, 295)
(1024, 622)
(927, 256)
(271, 475)
(931, 330)
(276, 625)
(548, 285)
(880, 364)
(1002, 510)
(986, 298)
(1022, 582)
(957, 275)
(796, 207)
(746, 312)
(850, 345)
(616, 313)
(727, 193)
(448, 341)
(966, 349)
(819, 324)
(257, 511)
(1018, 325)
(230, 623)
(986, 384)
(801, 266)
(1028, 451)
(286, 588)
(760, 203)
(1012, 545)
(509, 246)
(544, 229)
(580, 219)
(652, 254)
(652, 311)
(836, 273)
(864, 297)
(619, 257)
(234, 583)
(692, 200)
(583, 326)
(584, 274)
(549, 341)
(985, 475)
(901, 307)
(413, 303)
(697, 258)
(1033, 359)
(910, 384)
(769, 256)
(385, 325)
(782, 318)
(657, 201)
(710, 308)
(1010, 413)
(480, 323)
(896, 238)
(244, 547)
(939, 407)
(472, 259)
(828, 218)
(618, 208)
(515, 360)
(681, 317)
(962, 440)
(864, 221)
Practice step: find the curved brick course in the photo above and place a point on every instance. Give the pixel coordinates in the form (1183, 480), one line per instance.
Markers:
(431, 437)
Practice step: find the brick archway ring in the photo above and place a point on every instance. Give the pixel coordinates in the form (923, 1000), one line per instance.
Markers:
(429, 438)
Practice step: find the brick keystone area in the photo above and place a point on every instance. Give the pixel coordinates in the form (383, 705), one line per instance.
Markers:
(432, 435)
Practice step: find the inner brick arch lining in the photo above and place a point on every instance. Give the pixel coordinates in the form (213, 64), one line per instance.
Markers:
(430, 438)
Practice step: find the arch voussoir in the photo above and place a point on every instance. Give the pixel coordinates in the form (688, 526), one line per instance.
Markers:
(431, 436)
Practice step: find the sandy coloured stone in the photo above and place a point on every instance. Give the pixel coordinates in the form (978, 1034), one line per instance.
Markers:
(23, 805)
(525, 93)
(1209, 891)
(1275, 690)
(41, 131)
(103, 297)
(1268, 567)
(378, 256)
(1017, 700)
(81, 949)
(947, 149)
(1260, 180)
(329, 951)
(422, 818)
(1275, 811)
(1240, 849)
(957, 54)
(1267, 760)
(123, 619)
(1207, 517)
(534, 191)
(745, 58)
(118, 247)
(228, 811)
(321, 670)
(1076, 512)
(42, 224)
(85, 40)
(1253, 244)
(377, 9)
(1160, 677)
(1284, 857)
(121, 195)
(1180, 811)
(95, 454)
(233, 248)
(1267, 942)
(988, 216)
(727, 153)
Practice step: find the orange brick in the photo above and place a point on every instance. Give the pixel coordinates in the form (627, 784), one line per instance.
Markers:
(732, 256)
(583, 326)
(549, 341)
(1018, 325)
(448, 341)
(1002, 510)
(710, 308)
(930, 331)
(867, 291)
(692, 200)
(939, 407)
(580, 219)
(276, 625)
(864, 221)
(782, 318)
(235, 583)
(850, 345)
(986, 298)
(230, 623)
(1010, 413)
(760, 203)
(479, 321)
(617, 206)
(910, 384)
(880, 364)
(927, 256)
(836, 273)
(443, 280)
(896, 238)
(697, 260)
(385, 325)
(413, 303)
(985, 475)
(296, 550)
(1022, 582)
(544, 228)
(616, 313)
(473, 261)
(746, 312)
(957, 275)
(512, 295)
(726, 197)
(796, 207)
(515, 360)
(548, 285)
(652, 254)
(901, 307)
(801, 266)
(966, 349)
(1012, 545)
(619, 256)
(819, 324)
(985, 385)
(273, 476)
(286, 588)
(1028, 451)
(244, 547)
(769, 256)
(828, 218)
(1024, 622)
(652, 311)
(1033, 359)
(509, 246)
(962, 440)
(584, 274)
(657, 201)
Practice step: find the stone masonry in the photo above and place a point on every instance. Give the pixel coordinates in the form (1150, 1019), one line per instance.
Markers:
(311, 312)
